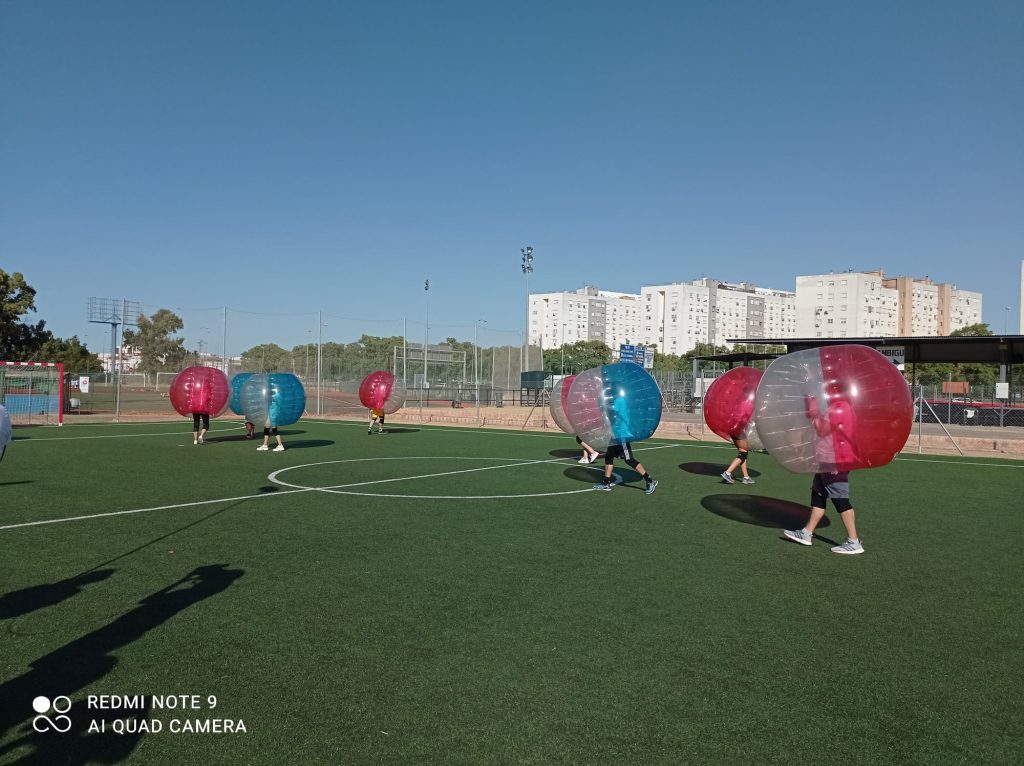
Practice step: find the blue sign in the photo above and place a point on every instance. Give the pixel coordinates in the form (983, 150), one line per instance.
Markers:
(630, 353)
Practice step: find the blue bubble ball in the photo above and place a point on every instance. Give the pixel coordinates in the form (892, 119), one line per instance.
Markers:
(274, 399)
(614, 404)
(236, 392)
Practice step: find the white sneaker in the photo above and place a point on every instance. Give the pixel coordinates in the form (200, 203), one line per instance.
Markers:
(849, 547)
(279, 448)
(194, 442)
(262, 448)
(583, 460)
(200, 439)
(801, 536)
(593, 457)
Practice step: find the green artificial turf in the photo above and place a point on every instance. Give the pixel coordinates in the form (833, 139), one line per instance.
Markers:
(459, 596)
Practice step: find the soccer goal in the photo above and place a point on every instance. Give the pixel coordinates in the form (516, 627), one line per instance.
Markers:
(33, 392)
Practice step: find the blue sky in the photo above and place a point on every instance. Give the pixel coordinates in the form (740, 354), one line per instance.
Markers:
(285, 158)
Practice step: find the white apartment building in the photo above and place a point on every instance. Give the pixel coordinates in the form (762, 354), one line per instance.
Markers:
(586, 314)
(866, 304)
(678, 317)
(847, 305)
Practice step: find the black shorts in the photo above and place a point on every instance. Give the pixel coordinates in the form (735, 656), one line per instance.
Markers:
(203, 417)
(831, 486)
(624, 451)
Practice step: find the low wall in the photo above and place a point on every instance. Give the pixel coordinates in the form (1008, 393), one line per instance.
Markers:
(522, 418)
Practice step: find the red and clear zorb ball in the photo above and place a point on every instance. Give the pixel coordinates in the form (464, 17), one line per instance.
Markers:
(382, 391)
(559, 401)
(833, 408)
(200, 390)
(729, 404)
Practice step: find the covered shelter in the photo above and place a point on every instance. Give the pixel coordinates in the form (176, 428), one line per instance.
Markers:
(1004, 350)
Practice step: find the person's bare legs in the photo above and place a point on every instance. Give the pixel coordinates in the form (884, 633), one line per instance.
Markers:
(850, 522)
(817, 514)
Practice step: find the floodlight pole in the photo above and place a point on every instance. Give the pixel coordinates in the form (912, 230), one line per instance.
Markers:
(476, 364)
(319, 357)
(120, 362)
(527, 266)
(426, 340)
(224, 345)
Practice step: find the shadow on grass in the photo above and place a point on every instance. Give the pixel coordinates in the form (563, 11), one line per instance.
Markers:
(712, 469)
(563, 453)
(390, 430)
(305, 443)
(11, 483)
(759, 510)
(27, 600)
(81, 663)
(592, 474)
(266, 488)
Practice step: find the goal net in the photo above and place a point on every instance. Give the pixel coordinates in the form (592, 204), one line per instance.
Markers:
(33, 392)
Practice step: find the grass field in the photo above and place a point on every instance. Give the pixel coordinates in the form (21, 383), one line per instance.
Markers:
(460, 596)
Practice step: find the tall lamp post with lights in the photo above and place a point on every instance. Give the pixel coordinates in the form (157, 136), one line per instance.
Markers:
(476, 362)
(527, 271)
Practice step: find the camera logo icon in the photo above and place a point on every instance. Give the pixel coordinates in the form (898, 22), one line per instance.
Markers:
(58, 722)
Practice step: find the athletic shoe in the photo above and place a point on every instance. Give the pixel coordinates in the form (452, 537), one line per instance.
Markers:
(603, 487)
(200, 439)
(747, 480)
(262, 448)
(369, 431)
(583, 460)
(727, 477)
(194, 442)
(801, 536)
(651, 486)
(381, 431)
(593, 457)
(849, 547)
(279, 448)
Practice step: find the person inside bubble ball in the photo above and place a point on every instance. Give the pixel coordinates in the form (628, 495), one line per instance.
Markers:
(742, 450)
(624, 451)
(834, 447)
(376, 416)
(269, 429)
(589, 453)
(200, 425)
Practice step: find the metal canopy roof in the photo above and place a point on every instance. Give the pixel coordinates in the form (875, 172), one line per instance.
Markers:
(993, 349)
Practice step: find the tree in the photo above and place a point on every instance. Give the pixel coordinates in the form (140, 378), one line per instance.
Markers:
(267, 357)
(74, 356)
(152, 341)
(576, 357)
(977, 374)
(18, 340)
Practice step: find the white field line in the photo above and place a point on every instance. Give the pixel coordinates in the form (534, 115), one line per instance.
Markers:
(305, 489)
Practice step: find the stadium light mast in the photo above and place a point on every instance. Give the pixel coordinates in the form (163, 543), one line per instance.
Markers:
(426, 340)
(476, 363)
(527, 271)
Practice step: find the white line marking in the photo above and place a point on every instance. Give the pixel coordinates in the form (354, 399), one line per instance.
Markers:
(30, 440)
(338, 489)
(154, 508)
(297, 489)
